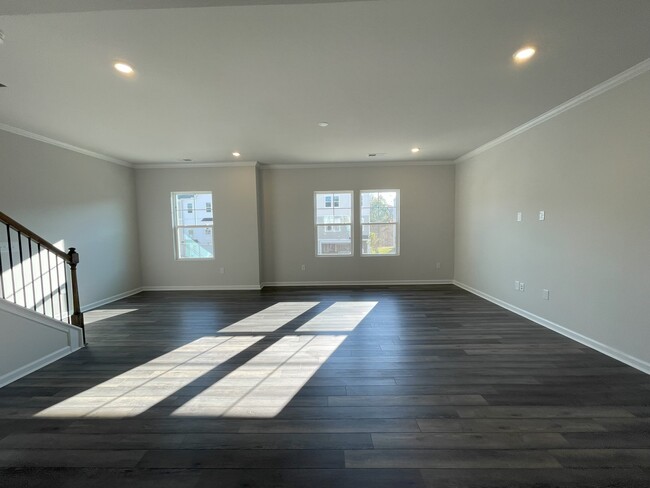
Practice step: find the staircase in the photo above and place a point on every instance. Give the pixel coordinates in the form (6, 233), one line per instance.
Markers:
(40, 313)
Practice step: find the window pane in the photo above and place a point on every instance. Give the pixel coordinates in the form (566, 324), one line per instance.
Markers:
(193, 220)
(203, 217)
(343, 214)
(378, 207)
(379, 239)
(379, 214)
(333, 240)
(333, 221)
(323, 215)
(184, 217)
(195, 242)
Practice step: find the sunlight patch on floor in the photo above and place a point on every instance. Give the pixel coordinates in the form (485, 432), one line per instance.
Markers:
(97, 315)
(260, 388)
(340, 317)
(263, 386)
(137, 390)
(270, 319)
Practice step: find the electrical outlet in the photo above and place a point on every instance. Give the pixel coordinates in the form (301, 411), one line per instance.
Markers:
(520, 217)
(546, 294)
(522, 286)
(437, 265)
(222, 270)
(542, 215)
(303, 267)
(516, 285)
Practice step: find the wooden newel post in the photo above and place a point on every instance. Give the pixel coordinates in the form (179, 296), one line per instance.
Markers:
(77, 317)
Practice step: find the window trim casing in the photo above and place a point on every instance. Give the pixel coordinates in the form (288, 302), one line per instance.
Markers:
(175, 227)
(398, 224)
(351, 224)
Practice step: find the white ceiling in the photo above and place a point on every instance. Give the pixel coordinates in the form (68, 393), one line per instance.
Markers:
(387, 75)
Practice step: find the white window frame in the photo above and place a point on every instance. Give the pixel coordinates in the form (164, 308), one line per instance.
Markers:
(175, 226)
(331, 224)
(397, 223)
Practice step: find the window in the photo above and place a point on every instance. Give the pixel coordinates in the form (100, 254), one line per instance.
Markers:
(192, 218)
(380, 222)
(333, 223)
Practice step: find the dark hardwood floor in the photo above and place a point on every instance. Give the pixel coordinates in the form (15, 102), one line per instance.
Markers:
(434, 387)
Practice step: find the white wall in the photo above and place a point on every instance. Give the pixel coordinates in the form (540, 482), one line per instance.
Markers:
(589, 170)
(30, 341)
(235, 229)
(427, 224)
(87, 202)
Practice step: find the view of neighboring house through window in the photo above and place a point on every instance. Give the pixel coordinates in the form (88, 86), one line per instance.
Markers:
(192, 217)
(380, 222)
(333, 221)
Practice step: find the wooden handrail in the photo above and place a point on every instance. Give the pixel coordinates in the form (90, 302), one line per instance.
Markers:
(35, 237)
(71, 258)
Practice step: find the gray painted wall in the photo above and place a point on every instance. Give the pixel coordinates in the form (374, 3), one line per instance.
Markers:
(427, 224)
(235, 230)
(88, 202)
(589, 170)
(29, 341)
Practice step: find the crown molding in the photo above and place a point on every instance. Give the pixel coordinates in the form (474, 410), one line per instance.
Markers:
(63, 145)
(360, 164)
(633, 72)
(226, 164)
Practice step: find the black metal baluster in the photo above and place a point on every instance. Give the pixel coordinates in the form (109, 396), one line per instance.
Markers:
(31, 267)
(22, 267)
(40, 270)
(49, 274)
(11, 264)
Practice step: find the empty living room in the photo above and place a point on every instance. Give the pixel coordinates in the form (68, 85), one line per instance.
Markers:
(325, 243)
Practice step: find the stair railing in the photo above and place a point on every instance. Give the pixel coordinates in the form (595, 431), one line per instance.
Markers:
(35, 274)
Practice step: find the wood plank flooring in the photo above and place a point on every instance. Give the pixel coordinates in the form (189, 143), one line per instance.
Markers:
(435, 387)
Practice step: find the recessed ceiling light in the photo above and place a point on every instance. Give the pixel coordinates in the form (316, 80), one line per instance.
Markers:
(124, 68)
(323, 124)
(415, 150)
(524, 54)
(236, 154)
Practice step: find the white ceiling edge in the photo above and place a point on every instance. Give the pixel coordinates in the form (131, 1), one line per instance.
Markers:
(225, 164)
(64, 145)
(359, 164)
(627, 75)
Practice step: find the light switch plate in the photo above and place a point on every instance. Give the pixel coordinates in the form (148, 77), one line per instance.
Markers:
(542, 215)
(520, 217)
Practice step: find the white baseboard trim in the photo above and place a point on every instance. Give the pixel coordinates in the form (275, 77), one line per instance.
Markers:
(358, 283)
(637, 363)
(108, 300)
(16, 374)
(201, 288)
